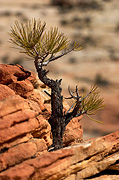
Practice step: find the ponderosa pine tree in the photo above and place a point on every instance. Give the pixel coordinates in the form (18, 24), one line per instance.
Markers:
(44, 47)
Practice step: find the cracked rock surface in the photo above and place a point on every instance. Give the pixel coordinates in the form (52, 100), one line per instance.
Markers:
(25, 135)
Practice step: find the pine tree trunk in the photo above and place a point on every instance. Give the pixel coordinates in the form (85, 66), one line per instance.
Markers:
(57, 121)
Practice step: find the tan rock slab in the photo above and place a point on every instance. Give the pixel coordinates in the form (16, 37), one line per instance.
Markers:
(114, 167)
(79, 161)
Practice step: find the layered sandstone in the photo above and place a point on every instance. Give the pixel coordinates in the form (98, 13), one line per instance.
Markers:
(25, 135)
(76, 162)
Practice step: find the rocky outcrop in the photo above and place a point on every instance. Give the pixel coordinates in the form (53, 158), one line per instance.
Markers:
(25, 135)
(18, 79)
(72, 163)
(5, 92)
(24, 111)
(20, 119)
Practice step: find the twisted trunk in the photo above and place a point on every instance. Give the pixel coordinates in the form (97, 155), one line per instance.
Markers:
(57, 120)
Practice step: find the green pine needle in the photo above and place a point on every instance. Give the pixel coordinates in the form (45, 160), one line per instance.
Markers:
(35, 41)
(95, 120)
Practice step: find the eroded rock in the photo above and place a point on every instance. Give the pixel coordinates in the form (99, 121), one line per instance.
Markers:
(77, 162)
(5, 92)
(25, 135)
(17, 78)
(25, 132)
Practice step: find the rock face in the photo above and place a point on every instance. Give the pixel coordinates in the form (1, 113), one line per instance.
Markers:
(17, 78)
(25, 135)
(24, 112)
(73, 163)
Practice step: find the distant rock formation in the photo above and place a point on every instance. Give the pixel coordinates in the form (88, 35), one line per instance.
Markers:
(25, 135)
(83, 4)
(65, 2)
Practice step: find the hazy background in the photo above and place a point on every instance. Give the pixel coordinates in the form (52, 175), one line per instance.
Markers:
(95, 24)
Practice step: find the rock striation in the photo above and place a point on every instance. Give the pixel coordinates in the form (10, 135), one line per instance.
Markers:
(25, 135)
(76, 162)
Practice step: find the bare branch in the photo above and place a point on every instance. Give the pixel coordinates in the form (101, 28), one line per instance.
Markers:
(71, 93)
(77, 91)
(77, 97)
(81, 113)
(53, 58)
(86, 96)
(42, 60)
(70, 108)
(64, 53)
(47, 93)
(36, 51)
(91, 91)
(78, 108)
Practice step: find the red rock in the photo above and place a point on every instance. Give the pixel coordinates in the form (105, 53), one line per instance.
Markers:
(37, 97)
(18, 140)
(41, 146)
(18, 118)
(5, 92)
(12, 104)
(44, 130)
(73, 133)
(11, 73)
(23, 88)
(24, 129)
(21, 172)
(114, 167)
(17, 154)
(79, 161)
(25, 135)
(15, 118)
(17, 78)
(18, 130)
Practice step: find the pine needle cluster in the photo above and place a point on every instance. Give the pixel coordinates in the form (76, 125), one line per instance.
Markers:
(33, 38)
(92, 102)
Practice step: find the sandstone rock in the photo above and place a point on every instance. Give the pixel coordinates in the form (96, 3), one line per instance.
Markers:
(20, 120)
(114, 167)
(17, 78)
(5, 92)
(107, 177)
(43, 131)
(20, 172)
(23, 88)
(73, 133)
(37, 96)
(25, 133)
(77, 162)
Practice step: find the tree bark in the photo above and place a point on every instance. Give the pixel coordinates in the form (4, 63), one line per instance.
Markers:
(57, 120)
